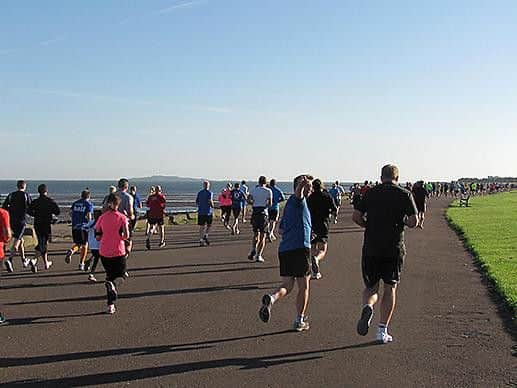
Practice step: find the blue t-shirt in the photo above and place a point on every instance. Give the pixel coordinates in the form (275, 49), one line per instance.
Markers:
(278, 197)
(203, 201)
(245, 191)
(80, 210)
(237, 198)
(296, 225)
(136, 202)
(335, 192)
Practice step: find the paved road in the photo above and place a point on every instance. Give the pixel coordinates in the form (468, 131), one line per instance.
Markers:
(187, 317)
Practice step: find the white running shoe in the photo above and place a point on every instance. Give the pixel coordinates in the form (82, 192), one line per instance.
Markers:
(91, 278)
(34, 265)
(383, 337)
(259, 259)
(48, 264)
(301, 325)
(111, 309)
(81, 267)
(25, 262)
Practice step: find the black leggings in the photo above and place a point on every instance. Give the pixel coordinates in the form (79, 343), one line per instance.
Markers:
(95, 257)
(115, 267)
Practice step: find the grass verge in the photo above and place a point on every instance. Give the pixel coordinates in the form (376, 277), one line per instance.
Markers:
(489, 229)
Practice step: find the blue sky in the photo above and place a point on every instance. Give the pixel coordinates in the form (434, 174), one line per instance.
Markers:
(233, 88)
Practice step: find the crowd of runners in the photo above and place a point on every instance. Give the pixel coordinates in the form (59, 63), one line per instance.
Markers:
(104, 233)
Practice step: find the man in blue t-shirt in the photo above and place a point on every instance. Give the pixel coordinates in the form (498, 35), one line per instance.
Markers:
(245, 191)
(274, 209)
(205, 213)
(337, 191)
(294, 253)
(81, 213)
(238, 197)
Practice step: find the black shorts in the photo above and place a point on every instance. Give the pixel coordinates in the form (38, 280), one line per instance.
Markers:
(155, 221)
(320, 233)
(18, 229)
(259, 221)
(205, 220)
(115, 267)
(273, 215)
(236, 212)
(337, 201)
(295, 263)
(79, 236)
(376, 268)
(420, 206)
(226, 211)
(43, 239)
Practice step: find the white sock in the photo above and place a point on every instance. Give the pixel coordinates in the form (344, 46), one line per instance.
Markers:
(273, 300)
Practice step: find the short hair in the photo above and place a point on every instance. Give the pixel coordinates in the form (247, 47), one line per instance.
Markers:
(20, 184)
(390, 171)
(113, 198)
(300, 177)
(272, 182)
(42, 189)
(316, 184)
(337, 183)
(132, 188)
(85, 194)
(122, 183)
(237, 185)
(206, 184)
(112, 189)
(243, 182)
(262, 180)
(157, 189)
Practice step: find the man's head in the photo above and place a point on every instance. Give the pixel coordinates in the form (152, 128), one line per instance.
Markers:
(390, 174)
(123, 184)
(307, 180)
(262, 181)
(272, 182)
(243, 182)
(112, 189)
(42, 189)
(158, 189)
(317, 185)
(85, 194)
(132, 190)
(336, 183)
(206, 185)
(113, 201)
(237, 185)
(21, 185)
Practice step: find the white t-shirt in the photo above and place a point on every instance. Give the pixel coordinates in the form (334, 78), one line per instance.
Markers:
(261, 195)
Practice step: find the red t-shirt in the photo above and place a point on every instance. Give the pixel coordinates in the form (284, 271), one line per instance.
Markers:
(4, 231)
(156, 204)
(364, 189)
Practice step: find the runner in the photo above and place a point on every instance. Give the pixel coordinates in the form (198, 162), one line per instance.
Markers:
(5, 236)
(261, 198)
(420, 195)
(126, 206)
(294, 254)
(112, 231)
(94, 245)
(205, 213)
(237, 197)
(321, 205)
(81, 213)
(137, 204)
(225, 203)
(17, 204)
(42, 209)
(245, 190)
(152, 191)
(111, 190)
(336, 193)
(388, 208)
(156, 204)
(274, 209)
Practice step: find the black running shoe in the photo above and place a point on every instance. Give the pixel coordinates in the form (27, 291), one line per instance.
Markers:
(364, 322)
(9, 265)
(205, 239)
(68, 257)
(265, 309)
(252, 255)
(2, 319)
(147, 244)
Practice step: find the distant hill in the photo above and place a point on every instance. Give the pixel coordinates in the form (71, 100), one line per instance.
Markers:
(490, 179)
(165, 178)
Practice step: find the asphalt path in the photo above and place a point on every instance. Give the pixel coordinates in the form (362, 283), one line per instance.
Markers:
(187, 317)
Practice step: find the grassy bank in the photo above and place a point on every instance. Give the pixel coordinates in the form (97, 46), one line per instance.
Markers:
(489, 227)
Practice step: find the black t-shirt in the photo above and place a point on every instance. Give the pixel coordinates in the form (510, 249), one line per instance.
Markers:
(42, 209)
(321, 205)
(17, 204)
(385, 207)
(420, 194)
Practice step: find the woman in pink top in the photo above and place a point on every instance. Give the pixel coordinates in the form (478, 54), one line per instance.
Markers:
(225, 202)
(112, 231)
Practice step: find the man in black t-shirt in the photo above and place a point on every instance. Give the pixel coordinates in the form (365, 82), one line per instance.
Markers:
(384, 211)
(321, 205)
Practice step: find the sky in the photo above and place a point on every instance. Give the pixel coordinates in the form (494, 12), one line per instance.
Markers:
(237, 88)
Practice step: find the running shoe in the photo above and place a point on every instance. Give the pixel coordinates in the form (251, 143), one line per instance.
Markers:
(68, 257)
(269, 239)
(237, 231)
(251, 255)
(162, 244)
(111, 309)
(91, 278)
(126, 275)
(48, 264)
(383, 337)
(112, 291)
(34, 265)
(2, 319)
(272, 236)
(9, 265)
(233, 231)
(205, 239)
(25, 262)
(364, 322)
(315, 269)
(147, 244)
(81, 267)
(259, 259)
(201, 243)
(301, 325)
(265, 309)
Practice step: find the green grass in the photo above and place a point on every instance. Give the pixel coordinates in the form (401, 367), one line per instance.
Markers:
(489, 227)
